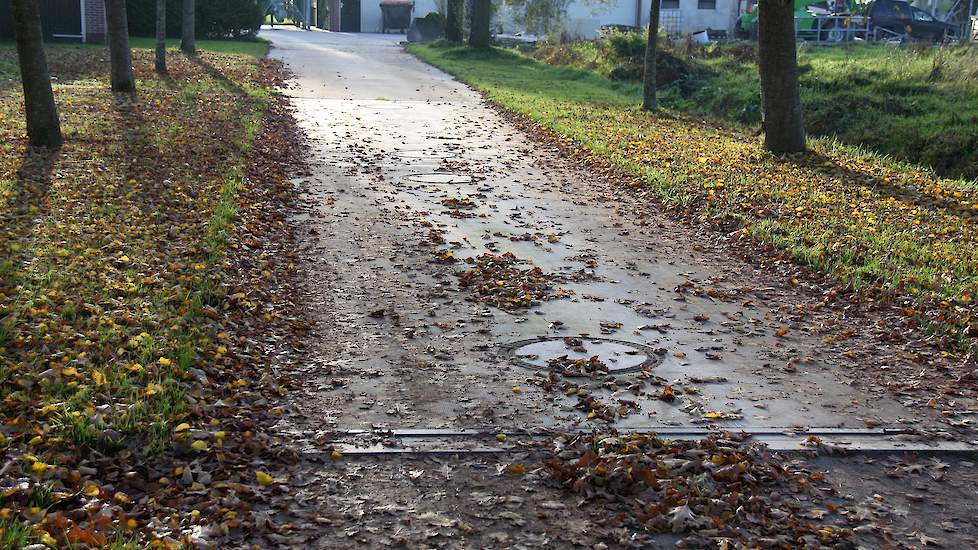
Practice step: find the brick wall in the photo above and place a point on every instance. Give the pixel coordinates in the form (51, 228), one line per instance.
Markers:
(95, 20)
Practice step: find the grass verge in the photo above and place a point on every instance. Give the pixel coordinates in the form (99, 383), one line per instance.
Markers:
(867, 221)
(113, 275)
(918, 104)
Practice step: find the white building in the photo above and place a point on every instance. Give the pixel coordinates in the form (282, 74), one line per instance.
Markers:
(676, 16)
(583, 20)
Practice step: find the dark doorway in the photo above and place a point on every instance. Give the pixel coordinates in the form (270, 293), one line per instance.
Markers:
(60, 20)
(6, 21)
(350, 16)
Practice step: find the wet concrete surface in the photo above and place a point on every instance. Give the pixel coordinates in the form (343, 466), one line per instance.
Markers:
(397, 344)
(380, 122)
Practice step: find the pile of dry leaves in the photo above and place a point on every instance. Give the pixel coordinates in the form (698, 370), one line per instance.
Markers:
(504, 282)
(720, 492)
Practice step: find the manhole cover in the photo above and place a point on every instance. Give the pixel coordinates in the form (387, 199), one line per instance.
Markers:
(423, 154)
(440, 177)
(620, 356)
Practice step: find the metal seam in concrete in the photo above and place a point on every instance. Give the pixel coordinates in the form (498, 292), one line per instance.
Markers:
(831, 440)
(439, 178)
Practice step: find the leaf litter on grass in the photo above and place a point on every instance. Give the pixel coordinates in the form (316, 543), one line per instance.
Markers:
(124, 396)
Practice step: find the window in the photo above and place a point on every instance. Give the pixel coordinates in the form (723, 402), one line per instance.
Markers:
(706, 4)
(921, 15)
(670, 4)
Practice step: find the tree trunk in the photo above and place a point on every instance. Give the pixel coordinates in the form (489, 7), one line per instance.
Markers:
(453, 21)
(481, 14)
(784, 130)
(43, 126)
(188, 41)
(649, 100)
(120, 55)
(161, 36)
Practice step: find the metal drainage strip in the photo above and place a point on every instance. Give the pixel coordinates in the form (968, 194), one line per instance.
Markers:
(467, 442)
(424, 154)
(440, 178)
(620, 356)
(382, 105)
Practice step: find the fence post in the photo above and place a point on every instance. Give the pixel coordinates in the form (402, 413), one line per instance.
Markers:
(971, 21)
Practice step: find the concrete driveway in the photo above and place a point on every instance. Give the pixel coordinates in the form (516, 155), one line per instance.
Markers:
(393, 142)
(408, 165)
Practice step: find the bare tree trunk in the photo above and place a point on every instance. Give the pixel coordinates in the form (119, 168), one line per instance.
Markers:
(120, 55)
(784, 129)
(481, 14)
(43, 126)
(161, 36)
(649, 100)
(453, 23)
(188, 41)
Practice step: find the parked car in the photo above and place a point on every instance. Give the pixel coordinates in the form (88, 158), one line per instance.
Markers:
(814, 20)
(900, 17)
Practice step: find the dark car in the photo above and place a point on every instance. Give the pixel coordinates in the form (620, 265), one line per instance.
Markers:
(900, 17)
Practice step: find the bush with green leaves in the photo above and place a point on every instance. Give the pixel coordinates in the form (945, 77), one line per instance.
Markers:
(215, 18)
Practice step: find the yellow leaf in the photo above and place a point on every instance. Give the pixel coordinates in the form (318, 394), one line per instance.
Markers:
(263, 478)
(517, 469)
(199, 445)
(182, 427)
(501, 437)
(336, 455)
(39, 468)
(165, 362)
(47, 539)
(91, 489)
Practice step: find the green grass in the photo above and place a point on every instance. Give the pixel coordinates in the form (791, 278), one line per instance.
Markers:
(15, 534)
(257, 47)
(915, 104)
(849, 212)
(172, 327)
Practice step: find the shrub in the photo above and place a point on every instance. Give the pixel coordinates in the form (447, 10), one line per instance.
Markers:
(626, 45)
(215, 18)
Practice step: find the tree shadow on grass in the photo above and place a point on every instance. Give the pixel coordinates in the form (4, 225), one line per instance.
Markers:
(217, 75)
(28, 200)
(825, 165)
(150, 169)
(29, 193)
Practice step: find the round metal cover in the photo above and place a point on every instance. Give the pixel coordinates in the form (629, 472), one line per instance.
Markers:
(440, 177)
(620, 356)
